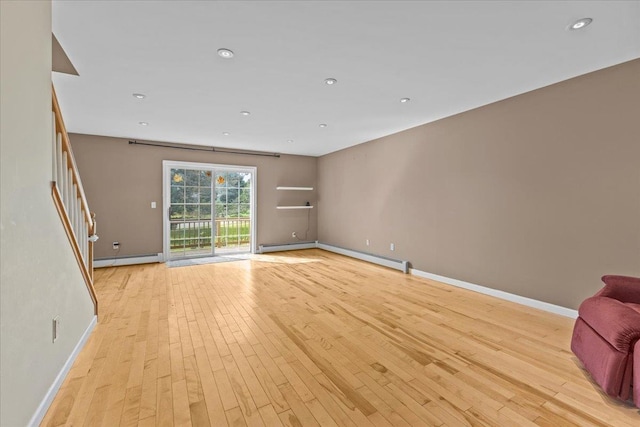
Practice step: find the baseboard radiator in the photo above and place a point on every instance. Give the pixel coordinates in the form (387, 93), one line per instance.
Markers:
(279, 247)
(127, 260)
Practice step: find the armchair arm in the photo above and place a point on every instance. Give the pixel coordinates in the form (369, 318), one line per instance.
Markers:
(617, 323)
(622, 288)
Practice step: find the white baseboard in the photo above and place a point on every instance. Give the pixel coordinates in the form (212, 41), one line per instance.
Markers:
(116, 262)
(530, 302)
(36, 419)
(286, 247)
(375, 259)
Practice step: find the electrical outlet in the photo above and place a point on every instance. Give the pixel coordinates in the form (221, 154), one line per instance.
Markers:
(367, 242)
(294, 235)
(116, 246)
(392, 246)
(55, 328)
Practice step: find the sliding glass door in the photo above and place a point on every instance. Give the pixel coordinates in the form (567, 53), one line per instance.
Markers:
(190, 213)
(209, 209)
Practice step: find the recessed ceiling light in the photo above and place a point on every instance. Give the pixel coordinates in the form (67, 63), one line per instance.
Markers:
(289, 141)
(226, 133)
(580, 23)
(405, 100)
(330, 81)
(139, 95)
(225, 53)
(323, 125)
(143, 123)
(245, 113)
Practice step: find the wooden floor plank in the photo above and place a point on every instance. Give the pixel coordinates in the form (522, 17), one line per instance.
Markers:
(225, 390)
(131, 410)
(235, 418)
(181, 412)
(299, 409)
(314, 338)
(269, 416)
(164, 403)
(149, 389)
(215, 410)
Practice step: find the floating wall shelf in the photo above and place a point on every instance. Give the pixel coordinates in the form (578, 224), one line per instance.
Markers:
(295, 188)
(294, 207)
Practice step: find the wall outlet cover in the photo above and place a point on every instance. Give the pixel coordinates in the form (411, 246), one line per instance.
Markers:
(55, 328)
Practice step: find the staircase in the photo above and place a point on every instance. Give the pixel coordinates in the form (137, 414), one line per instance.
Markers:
(70, 201)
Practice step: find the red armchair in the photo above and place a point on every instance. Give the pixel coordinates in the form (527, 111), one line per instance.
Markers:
(606, 337)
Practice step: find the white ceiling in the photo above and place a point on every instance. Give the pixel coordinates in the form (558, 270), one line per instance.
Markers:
(447, 56)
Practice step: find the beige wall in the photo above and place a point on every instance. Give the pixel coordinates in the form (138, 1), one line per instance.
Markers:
(537, 195)
(121, 181)
(39, 276)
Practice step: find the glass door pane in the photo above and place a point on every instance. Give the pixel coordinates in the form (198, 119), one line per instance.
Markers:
(233, 211)
(190, 213)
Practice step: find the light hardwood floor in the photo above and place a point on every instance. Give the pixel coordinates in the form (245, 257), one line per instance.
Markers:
(313, 338)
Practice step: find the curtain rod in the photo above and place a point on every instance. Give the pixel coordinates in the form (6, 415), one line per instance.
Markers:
(212, 149)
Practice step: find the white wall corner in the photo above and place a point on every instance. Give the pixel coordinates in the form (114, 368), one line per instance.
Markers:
(529, 302)
(38, 416)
